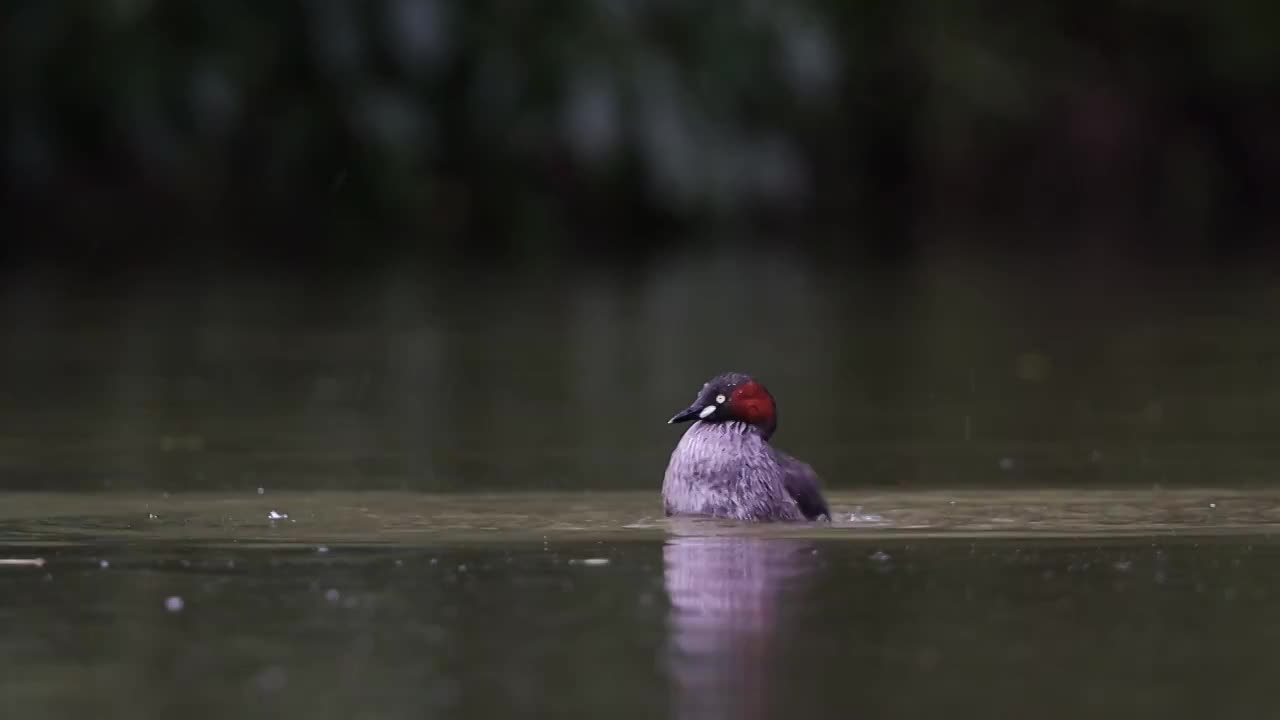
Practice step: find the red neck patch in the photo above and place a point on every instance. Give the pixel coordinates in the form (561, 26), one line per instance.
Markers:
(751, 403)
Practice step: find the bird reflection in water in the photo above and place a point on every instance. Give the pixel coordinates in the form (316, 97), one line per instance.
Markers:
(731, 598)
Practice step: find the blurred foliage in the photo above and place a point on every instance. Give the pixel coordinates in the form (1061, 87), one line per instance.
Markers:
(532, 127)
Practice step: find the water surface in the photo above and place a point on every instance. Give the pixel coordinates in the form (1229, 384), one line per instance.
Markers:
(943, 373)
(432, 492)
(1054, 604)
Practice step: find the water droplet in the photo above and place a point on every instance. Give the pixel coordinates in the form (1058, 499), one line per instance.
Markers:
(174, 604)
(880, 556)
(590, 562)
(1153, 412)
(322, 549)
(332, 595)
(1032, 366)
(276, 515)
(928, 658)
(104, 564)
(271, 679)
(262, 491)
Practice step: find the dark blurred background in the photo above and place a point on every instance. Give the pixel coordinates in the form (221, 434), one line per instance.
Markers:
(136, 128)
(446, 245)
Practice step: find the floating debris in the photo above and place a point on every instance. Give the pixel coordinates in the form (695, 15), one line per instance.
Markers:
(174, 604)
(21, 562)
(277, 515)
(332, 595)
(104, 564)
(590, 562)
(262, 491)
(322, 549)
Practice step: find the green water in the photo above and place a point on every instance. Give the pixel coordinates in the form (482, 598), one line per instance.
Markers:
(1085, 372)
(1052, 604)
(432, 492)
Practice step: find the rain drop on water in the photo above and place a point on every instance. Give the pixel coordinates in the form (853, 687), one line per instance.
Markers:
(271, 679)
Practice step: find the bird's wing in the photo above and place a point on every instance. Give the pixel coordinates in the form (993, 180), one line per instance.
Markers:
(802, 484)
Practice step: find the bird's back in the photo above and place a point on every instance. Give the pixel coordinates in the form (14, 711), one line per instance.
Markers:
(802, 484)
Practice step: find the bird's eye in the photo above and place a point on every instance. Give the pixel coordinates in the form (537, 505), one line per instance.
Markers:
(719, 398)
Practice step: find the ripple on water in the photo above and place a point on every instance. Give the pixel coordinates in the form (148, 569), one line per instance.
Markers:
(322, 519)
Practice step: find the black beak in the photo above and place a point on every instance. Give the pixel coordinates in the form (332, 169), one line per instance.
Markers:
(687, 414)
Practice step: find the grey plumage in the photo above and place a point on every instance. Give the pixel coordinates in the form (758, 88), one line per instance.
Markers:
(728, 469)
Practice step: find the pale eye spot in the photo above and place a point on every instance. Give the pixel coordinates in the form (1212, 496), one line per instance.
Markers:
(720, 398)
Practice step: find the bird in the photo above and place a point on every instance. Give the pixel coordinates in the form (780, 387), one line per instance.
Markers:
(724, 465)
